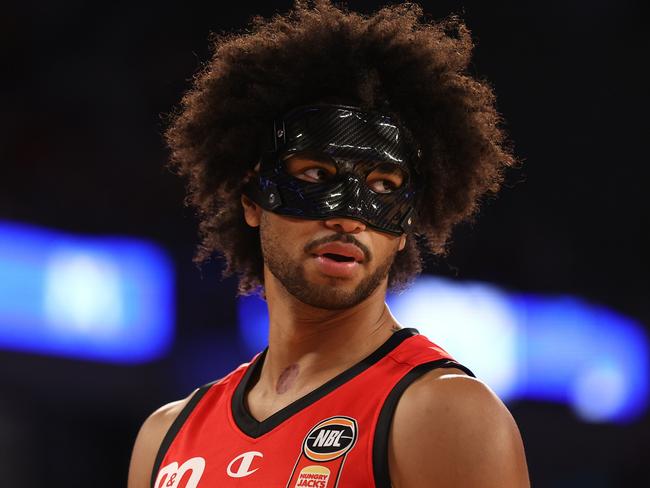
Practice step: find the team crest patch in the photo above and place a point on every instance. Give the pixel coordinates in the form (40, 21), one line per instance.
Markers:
(323, 453)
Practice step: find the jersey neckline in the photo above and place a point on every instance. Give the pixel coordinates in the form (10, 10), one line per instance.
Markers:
(254, 428)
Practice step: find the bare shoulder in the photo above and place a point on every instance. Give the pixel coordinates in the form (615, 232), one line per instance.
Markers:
(148, 442)
(452, 428)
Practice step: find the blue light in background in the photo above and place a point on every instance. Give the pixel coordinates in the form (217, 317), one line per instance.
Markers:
(101, 298)
(474, 322)
(253, 323)
(586, 355)
(558, 349)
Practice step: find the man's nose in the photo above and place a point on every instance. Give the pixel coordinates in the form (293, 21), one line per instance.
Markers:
(345, 225)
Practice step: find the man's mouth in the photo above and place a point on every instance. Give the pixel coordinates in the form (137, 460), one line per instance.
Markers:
(338, 257)
(341, 252)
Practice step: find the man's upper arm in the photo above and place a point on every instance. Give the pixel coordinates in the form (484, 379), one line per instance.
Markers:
(451, 430)
(148, 442)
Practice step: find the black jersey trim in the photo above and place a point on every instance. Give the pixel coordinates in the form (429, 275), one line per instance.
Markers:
(253, 428)
(380, 442)
(175, 428)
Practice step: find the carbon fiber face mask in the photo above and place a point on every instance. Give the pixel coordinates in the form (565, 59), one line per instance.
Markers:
(361, 168)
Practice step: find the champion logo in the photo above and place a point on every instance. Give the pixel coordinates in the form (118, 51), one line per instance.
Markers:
(241, 465)
(330, 439)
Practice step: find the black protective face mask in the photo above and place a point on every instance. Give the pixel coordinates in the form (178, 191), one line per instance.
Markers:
(362, 168)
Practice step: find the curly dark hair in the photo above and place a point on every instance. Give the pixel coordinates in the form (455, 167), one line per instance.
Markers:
(393, 61)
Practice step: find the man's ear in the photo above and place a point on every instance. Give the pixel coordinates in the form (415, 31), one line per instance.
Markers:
(402, 242)
(252, 211)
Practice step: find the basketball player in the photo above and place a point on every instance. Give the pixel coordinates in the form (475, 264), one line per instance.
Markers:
(325, 151)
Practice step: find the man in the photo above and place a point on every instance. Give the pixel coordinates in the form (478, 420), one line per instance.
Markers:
(325, 150)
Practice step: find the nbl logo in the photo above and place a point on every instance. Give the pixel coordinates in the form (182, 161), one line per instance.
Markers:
(323, 453)
(330, 439)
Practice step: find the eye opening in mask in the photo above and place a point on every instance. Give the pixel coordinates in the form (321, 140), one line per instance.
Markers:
(310, 166)
(313, 167)
(385, 178)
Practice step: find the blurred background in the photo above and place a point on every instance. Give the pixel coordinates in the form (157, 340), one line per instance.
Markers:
(103, 316)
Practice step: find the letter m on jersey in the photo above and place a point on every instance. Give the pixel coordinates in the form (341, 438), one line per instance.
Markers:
(171, 475)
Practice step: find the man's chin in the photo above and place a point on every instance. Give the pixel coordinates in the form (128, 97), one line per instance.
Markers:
(329, 297)
(311, 286)
(334, 282)
(333, 293)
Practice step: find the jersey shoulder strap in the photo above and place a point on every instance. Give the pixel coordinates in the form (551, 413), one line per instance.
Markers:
(421, 355)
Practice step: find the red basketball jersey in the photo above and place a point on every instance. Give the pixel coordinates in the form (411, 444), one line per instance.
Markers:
(337, 435)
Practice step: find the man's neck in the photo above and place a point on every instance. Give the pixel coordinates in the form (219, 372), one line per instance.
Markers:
(309, 345)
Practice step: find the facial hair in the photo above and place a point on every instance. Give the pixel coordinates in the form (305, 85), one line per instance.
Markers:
(291, 274)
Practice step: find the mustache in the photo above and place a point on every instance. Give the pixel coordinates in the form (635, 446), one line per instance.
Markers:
(345, 238)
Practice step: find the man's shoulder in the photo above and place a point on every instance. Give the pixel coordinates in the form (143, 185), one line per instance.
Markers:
(445, 395)
(149, 439)
(162, 418)
(449, 387)
(155, 428)
(453, 428)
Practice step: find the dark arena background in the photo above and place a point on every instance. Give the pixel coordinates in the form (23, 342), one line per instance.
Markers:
(103, 316)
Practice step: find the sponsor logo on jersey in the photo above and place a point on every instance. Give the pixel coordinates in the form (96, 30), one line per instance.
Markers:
(171, 475)
(313, 477)
(241, 465)
(323, 453)
(330, 439)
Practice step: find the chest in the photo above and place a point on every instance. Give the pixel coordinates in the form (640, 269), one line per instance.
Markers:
(327, 444)
(334, 436)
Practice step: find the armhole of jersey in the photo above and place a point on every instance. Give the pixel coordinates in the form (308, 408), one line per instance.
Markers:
(380, 442)
(175, 427)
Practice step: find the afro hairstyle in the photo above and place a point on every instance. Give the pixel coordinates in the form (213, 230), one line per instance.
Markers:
(394, 61)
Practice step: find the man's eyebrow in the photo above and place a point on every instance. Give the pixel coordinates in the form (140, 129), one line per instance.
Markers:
(390, 168)
(318, 158)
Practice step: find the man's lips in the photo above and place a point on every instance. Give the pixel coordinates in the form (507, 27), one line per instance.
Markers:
(342, 250)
